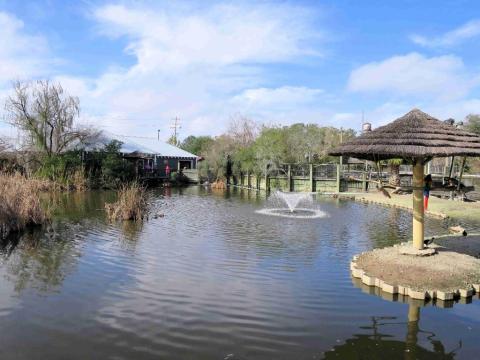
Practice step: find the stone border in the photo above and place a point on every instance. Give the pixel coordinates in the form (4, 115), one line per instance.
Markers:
(406, 291)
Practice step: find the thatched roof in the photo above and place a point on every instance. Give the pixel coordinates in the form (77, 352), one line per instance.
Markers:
(416, 135)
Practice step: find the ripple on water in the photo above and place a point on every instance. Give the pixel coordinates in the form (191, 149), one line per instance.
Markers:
(210, 279)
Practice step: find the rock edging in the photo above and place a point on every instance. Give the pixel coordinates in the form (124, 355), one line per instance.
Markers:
(370, 280)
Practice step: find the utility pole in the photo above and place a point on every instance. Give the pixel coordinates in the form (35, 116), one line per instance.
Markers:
(341, 141)
(158, 134)
(175, 126)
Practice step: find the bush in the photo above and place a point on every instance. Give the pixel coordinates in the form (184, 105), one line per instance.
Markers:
(107, 168)
(131, 203)
(20, 204)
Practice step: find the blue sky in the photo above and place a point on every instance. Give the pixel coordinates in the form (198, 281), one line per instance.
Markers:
(137, 64)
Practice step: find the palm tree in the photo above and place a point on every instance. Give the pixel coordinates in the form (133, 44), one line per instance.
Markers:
(394, 169)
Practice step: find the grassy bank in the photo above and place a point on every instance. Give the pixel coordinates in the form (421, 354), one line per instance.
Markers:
(436, 207)
(20, 205)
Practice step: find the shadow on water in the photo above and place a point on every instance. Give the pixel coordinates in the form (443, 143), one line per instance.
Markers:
(377, 343)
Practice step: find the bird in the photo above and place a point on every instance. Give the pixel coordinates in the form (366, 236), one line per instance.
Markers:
(384, 192)
(428, 241)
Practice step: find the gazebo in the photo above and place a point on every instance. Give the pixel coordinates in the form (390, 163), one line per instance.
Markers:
(416, 137)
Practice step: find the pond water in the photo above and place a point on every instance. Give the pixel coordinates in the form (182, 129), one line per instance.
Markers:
(214, 279)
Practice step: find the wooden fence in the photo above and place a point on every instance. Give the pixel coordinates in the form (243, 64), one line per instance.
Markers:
(326, 178)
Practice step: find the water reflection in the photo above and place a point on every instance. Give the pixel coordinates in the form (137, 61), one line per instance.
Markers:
(40, 259)
(378, 343)
(210, 280)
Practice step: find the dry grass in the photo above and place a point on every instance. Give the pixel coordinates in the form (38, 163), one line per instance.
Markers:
(79, 181)
(131, 203)
(219, 185)
(20, 204)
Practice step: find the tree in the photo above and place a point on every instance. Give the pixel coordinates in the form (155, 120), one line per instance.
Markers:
(197, 145)
(214, 167)
(394, 167)
(115, 169)
(243, 131)
(172, 140)
(47, 117)
(473, 123)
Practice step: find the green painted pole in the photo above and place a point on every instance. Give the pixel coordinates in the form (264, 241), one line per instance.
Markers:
(289, 178)
(312, 181)
(338, 178)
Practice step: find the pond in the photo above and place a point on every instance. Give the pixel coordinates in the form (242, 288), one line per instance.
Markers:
(215, 279)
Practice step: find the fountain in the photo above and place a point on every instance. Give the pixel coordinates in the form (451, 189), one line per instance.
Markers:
(292, 200)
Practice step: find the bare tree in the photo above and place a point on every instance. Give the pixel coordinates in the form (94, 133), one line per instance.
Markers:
(46, 115)
(4, 146)
(243, 130)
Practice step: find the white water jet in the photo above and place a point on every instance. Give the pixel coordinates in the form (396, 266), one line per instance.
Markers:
(293, 199)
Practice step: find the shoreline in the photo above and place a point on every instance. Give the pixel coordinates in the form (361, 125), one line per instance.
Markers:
(452, 272)
(439, 208)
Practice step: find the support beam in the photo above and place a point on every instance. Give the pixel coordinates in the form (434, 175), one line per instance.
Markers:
(339, 179)
(418, 215)
(452, 163)
(460, 176)
(289, 178)
(312, 181)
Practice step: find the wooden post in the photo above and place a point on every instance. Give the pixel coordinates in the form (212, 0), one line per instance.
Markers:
(289, 178)
(338, 178)
(445, 171)
(312, 181)
(460, 176)
(418, 215)
(451, 167)
(364, 181)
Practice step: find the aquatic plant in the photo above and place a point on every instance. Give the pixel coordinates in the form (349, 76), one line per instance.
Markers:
(20, 205)
(79, 181)
(218, 185)
(131, 203)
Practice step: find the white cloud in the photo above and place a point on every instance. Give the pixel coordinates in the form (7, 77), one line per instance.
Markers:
(21, 55)
(218, 35)
(442, 77)
(191, 62)
(466, 31)
(285, 96)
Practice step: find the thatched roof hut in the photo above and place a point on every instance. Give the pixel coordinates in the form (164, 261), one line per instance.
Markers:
(416, 137)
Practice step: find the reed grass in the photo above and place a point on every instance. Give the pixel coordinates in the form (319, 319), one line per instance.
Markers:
(131, 203)
(20, 205)
(218, 185)
(79, 181)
